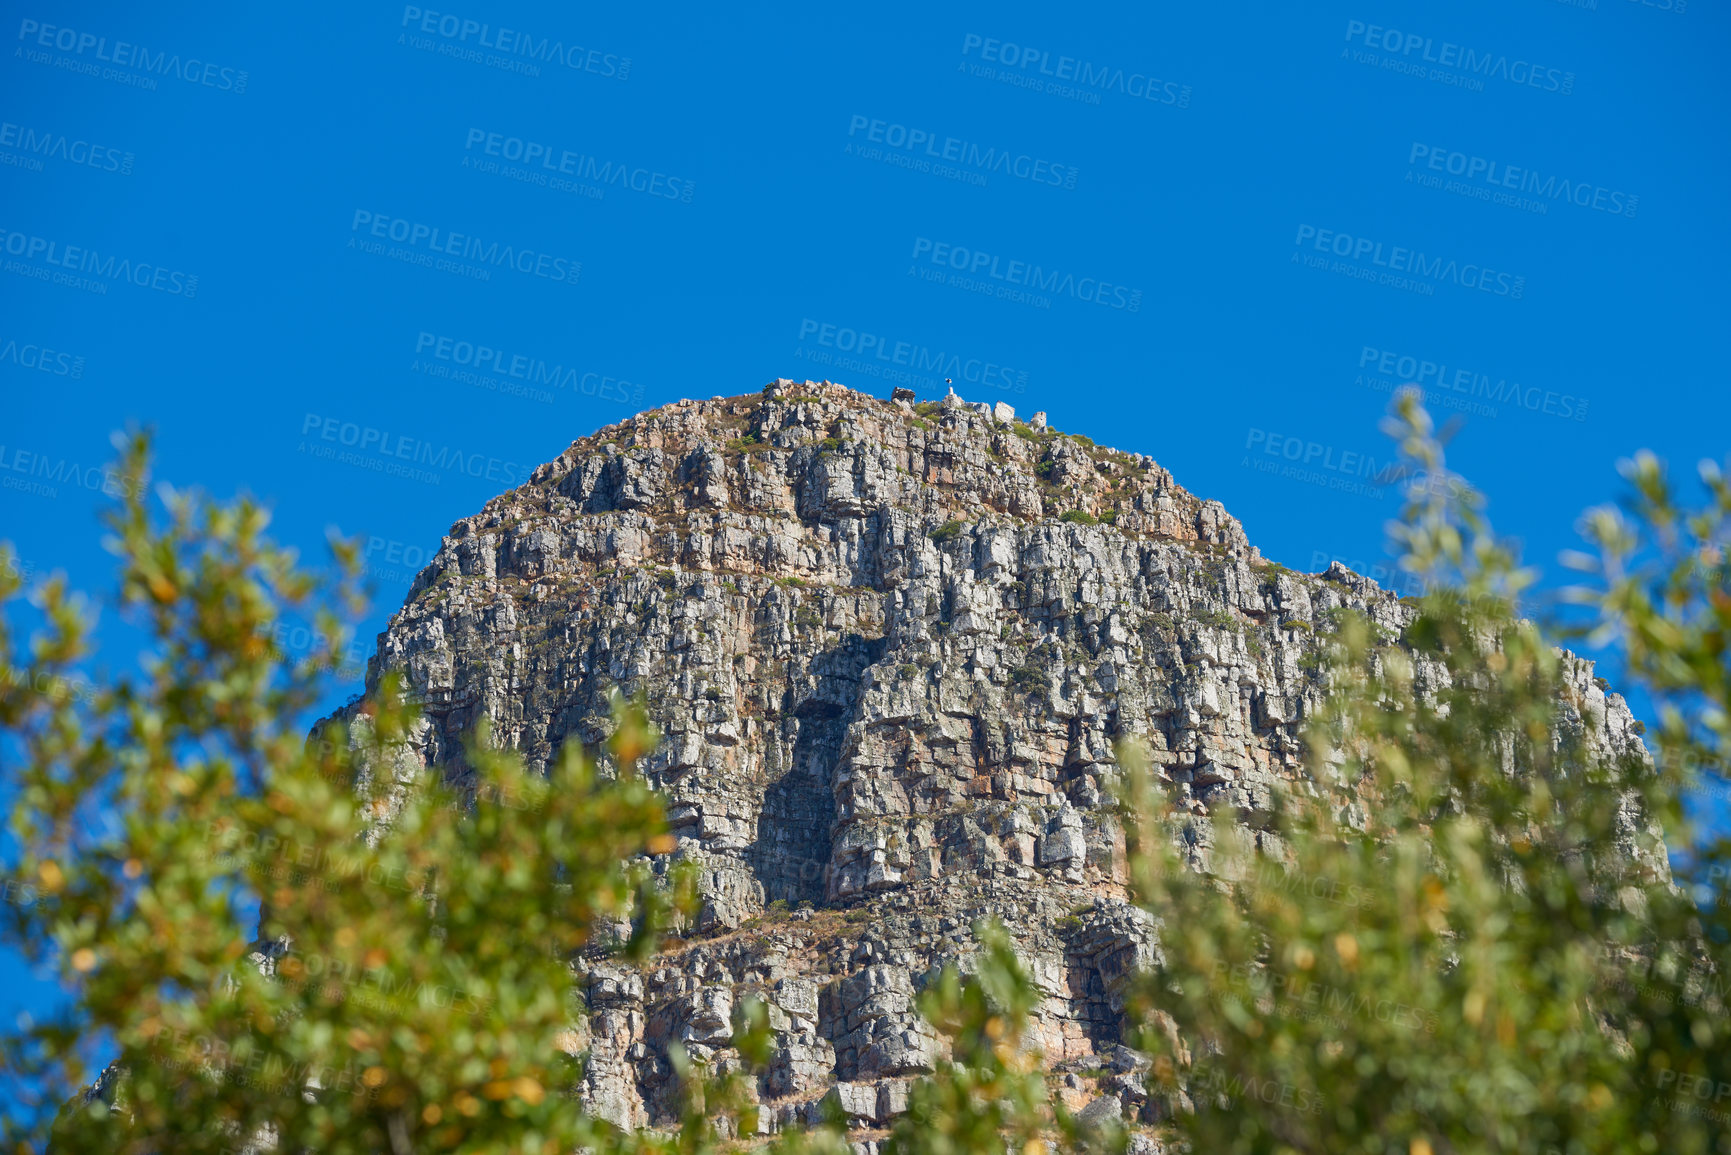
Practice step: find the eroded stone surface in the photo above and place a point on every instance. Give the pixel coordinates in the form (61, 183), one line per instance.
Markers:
(891, 648)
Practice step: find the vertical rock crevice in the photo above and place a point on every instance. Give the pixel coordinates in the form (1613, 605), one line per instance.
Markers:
(791, 855)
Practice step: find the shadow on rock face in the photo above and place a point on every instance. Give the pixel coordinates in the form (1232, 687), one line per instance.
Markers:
(792, 853)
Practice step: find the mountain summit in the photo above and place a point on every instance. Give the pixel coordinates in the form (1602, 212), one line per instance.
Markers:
(891, 647)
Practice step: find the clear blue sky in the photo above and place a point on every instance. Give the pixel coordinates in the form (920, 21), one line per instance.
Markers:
(1156, 223)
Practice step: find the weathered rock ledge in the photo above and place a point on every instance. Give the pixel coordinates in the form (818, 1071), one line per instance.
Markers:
(891, 648)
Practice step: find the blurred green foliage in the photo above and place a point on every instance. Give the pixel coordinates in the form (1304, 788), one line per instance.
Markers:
(412, 987)
(991, 1093)
(1462, 933)
(1482, 922)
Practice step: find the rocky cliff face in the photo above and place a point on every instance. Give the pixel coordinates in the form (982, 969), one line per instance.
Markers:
(891, 648)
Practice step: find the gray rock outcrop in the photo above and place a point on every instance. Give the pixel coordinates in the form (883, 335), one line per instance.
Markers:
(891, 648)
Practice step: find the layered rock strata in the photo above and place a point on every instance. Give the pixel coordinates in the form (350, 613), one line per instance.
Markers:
(891, 647)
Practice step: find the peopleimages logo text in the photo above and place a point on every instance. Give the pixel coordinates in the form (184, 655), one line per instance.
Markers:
(564, 162)
(433, 239)
(1482, 170)
(395, 447)
(1437, 376)
(984, 158)
(125, 55)
(18, 463)
(884, 353)
(1138, 85)
(511, 42)
(1314, 454)
(42, 359)
(1404, 260)
(534, 371)
(77, 259)
(58, 146)
(394, 553)
(1446, 54)
(1036, 277)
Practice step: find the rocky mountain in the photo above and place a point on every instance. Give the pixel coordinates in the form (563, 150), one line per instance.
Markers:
(891, 647)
